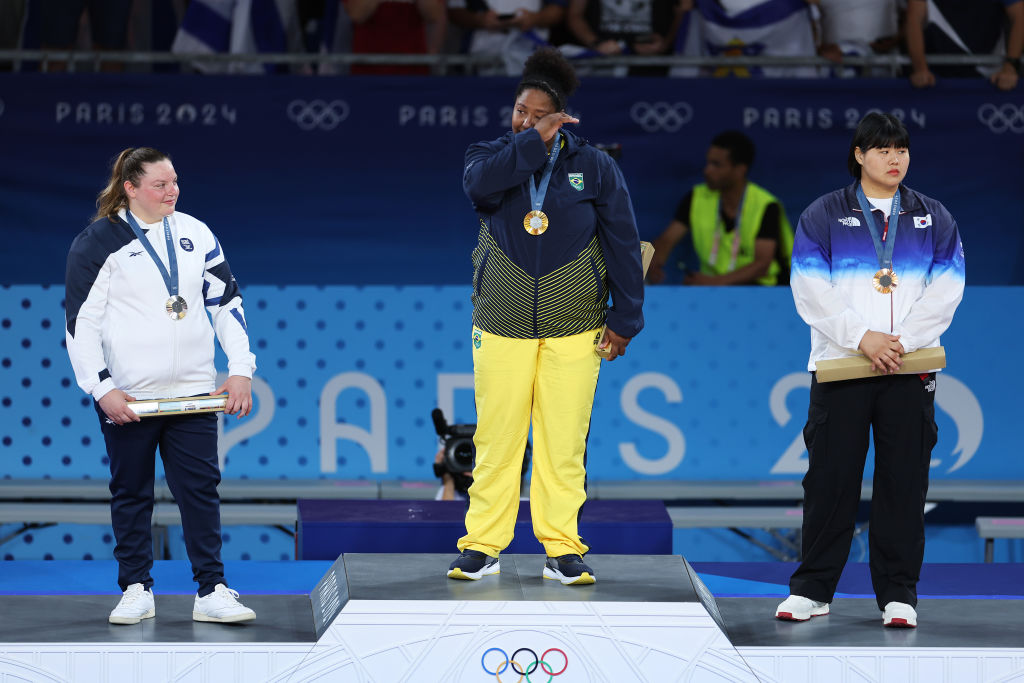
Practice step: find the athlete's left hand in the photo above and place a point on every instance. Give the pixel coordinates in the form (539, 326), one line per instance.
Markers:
(239, 391)
(615, 343)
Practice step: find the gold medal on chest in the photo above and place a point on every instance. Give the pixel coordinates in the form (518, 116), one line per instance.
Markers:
(536, 222)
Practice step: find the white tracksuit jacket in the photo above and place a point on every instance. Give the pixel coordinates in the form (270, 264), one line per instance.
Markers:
(119, 334)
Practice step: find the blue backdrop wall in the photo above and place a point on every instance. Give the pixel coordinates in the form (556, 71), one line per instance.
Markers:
(358, 180)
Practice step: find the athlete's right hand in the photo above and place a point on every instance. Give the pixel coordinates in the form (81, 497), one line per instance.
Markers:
(549, 125)
(114, 405)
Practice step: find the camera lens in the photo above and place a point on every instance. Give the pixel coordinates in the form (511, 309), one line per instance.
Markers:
(464, 454)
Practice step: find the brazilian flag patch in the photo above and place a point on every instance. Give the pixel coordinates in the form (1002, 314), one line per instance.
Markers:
(576, 180)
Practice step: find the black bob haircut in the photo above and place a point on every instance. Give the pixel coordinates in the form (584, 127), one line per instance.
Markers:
(738, 145)
(873, 132)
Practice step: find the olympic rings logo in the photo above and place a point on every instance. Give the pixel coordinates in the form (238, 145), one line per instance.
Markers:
(1002, 118)
(661, 116)
(524, 672)
(318, 114)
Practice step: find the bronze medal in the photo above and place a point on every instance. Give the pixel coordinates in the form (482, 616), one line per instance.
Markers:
(536, 222)
(885, 281)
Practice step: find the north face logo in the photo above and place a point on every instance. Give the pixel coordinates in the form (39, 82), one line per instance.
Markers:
(850, 221)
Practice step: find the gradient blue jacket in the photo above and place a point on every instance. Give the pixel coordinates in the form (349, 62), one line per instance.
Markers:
(834, 262)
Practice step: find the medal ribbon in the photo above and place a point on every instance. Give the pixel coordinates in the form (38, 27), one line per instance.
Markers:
(883, 251)
(713, 256)
(537, 191)
(170, 279)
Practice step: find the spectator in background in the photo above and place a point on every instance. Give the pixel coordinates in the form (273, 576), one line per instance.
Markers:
(965, 27)
(108, 27)
(776, 28)
(626, 27)
(739, 230)
(863, 28)
(509, 29)
(396, 27)
(12, 17)
(212, 27)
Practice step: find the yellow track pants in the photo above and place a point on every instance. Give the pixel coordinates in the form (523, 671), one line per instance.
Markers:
(553, 381)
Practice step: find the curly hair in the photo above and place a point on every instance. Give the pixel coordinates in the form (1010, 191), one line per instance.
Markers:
(548, 70)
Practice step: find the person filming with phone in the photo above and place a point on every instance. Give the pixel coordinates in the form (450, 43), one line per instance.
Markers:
(508, 30)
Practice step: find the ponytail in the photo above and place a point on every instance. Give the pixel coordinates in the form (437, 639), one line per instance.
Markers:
(127, 166)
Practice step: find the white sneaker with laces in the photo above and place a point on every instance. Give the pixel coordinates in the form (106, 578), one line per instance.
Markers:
(799, 608)
(221, 606)
(899, 615)
(136, 604)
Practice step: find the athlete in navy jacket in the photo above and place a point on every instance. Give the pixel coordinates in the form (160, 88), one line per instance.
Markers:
(557, 235)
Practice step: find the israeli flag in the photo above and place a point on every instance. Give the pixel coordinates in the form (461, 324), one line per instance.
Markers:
(238, 27)
(751, 28)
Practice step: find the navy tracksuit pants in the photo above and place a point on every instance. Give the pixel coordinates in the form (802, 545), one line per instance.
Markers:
(900, 411)
(188, 448)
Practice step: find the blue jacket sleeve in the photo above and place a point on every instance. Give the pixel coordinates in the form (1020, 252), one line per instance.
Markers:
(494, 167)
(620, 242)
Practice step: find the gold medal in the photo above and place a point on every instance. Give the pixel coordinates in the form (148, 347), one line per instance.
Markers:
(176, 307)
(885, 281)
(536, 222)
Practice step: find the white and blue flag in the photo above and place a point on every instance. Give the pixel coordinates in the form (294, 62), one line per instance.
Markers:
(749, 28)
(237, 27)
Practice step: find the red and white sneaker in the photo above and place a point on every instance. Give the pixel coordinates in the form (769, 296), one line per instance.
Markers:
(799, 608)
(899, 615)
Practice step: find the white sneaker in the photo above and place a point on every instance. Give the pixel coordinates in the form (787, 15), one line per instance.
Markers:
(136, 604)
(899, 615)
(221, 605)
(799, 608)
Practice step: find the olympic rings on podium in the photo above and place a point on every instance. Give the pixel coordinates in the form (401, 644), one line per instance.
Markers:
(518, 668)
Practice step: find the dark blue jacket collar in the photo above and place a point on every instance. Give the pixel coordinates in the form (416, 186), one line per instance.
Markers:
(909, 199)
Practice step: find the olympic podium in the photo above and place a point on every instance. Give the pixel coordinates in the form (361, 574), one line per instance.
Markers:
(329, 528)
(368, 618)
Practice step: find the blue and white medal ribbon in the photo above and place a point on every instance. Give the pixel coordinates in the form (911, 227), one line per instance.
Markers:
(536, 222)
(175, 306)
(885, 279)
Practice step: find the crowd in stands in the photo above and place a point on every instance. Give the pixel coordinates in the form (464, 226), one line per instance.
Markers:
(504, 32)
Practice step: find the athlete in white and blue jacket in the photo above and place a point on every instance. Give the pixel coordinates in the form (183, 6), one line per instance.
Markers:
(140, 283)
(878, 270)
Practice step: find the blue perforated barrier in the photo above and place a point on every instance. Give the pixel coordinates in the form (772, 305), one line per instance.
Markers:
(713, 388)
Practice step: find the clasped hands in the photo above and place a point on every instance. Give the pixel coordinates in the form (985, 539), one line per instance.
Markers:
(884, 350)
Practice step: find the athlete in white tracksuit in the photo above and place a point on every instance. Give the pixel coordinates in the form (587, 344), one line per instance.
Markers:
(140, 281)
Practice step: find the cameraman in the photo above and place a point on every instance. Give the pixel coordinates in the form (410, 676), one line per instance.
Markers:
(453, 484)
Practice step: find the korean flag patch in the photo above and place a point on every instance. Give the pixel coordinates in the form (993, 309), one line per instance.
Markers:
(922, 221)
(576, 180)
